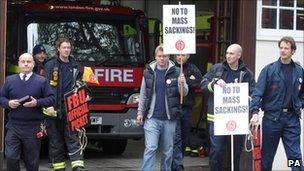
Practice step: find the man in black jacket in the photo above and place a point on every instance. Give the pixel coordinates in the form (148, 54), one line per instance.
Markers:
(232, 70)
(62, 72)
(183, 127)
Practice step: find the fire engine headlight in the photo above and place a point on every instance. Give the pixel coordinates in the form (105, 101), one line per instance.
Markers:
(134, 98)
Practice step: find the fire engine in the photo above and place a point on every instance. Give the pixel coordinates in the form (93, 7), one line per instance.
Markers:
(112, 40)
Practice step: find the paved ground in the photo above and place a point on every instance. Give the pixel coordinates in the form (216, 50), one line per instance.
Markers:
(131, 159)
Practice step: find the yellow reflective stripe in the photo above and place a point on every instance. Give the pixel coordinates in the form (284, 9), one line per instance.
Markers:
(53, 83)
(210, 87)
(194, 151)
(45, 112)
(60, 165)
(210, 117)
(77, 163)
(188, 149)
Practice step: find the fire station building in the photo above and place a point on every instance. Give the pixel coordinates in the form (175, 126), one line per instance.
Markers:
(256, 25)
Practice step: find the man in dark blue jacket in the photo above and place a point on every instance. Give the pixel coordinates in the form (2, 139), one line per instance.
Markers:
(232, 70)
(159, 106)
(25, 116)
(280, 94)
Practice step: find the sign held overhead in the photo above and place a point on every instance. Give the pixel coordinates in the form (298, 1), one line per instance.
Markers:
(179, 29)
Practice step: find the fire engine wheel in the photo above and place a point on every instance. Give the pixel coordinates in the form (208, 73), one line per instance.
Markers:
(113, 146)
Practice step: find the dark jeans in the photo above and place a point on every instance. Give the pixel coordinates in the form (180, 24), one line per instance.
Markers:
(181, 139)
(22, 138)
(287, 127)
(217, 146)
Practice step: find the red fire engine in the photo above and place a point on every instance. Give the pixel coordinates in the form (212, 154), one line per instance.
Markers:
(112, 40)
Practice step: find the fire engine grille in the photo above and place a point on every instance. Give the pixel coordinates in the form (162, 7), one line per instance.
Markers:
(111, 95)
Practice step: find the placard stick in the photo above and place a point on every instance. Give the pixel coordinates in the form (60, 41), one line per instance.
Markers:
(181, 71)
(182, 87)
(232, 163)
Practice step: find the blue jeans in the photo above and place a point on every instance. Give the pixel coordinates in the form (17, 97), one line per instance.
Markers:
(181, 139)
(287, 127)
(158, 132)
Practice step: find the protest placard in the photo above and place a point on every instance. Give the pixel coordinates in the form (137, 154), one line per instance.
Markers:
(179, 29)
(231, 109)
(77, 109)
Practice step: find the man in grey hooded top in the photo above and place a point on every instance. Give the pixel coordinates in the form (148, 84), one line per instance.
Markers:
(159, 108)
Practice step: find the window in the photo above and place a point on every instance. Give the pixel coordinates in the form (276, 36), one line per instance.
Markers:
(98, 43)
(277, 18)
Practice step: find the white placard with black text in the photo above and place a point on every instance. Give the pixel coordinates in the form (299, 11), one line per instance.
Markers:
(179, 29)
(231, 109)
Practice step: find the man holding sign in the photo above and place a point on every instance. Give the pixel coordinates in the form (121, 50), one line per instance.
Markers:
(232, 70)
(183, 126)
(63, 71)
(179, 38)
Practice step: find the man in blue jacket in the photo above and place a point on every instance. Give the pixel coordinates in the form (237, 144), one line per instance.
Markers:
(159, 106)
(232, 70)
(25, 116)
(280, 94)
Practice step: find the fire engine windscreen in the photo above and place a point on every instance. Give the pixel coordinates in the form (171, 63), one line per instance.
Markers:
(107, 44)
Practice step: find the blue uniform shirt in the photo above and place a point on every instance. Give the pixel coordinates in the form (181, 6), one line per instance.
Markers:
(287, 72)
(66, 77)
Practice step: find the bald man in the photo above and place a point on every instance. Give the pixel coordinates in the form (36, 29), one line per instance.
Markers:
(25, 116)
(232, 70)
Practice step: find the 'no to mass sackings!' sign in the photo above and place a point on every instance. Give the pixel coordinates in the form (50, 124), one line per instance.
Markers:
(231, 109)
(179, 29)
(77, 109)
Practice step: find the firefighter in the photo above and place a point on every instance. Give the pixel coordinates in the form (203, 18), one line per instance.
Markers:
(231, 70)
(280, 94)
(39, 55)
(183, 126)
(63, 72)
